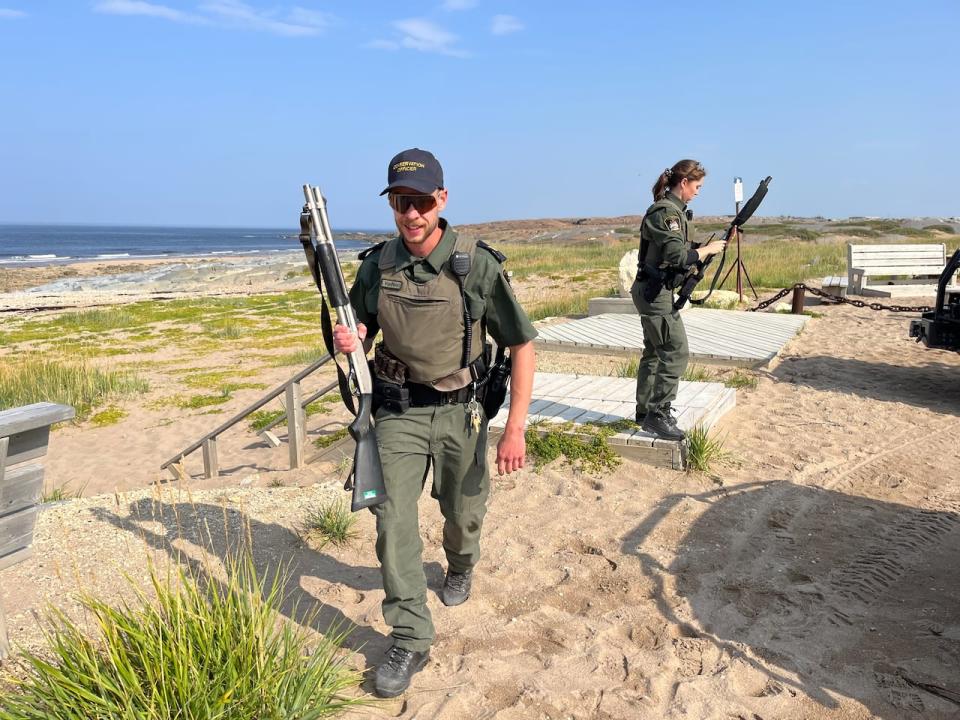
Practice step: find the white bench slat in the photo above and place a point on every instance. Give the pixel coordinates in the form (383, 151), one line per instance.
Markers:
(21, 488)
(16, 530)
(29, 417)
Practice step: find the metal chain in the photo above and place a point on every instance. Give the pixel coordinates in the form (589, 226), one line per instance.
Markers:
(839, 300)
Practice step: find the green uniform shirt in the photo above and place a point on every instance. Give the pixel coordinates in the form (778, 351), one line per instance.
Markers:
(666, 231)
(486, 288)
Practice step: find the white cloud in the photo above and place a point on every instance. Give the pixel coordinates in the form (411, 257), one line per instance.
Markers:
(454, 5)
(138, 7)
(383, 45)
(226, 13)
(6, 14)
(425, 36)
(505, 24)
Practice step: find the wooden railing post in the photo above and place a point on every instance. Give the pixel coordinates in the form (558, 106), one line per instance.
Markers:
(296, 420)
(211, 467)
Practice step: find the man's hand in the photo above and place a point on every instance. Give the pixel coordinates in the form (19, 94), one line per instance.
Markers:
(345, 340)
(511, 451)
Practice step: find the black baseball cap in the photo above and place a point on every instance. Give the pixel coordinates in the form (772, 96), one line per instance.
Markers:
(414, 168)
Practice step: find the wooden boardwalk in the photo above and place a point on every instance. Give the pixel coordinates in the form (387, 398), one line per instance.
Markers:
(581, 399)
(720, 337)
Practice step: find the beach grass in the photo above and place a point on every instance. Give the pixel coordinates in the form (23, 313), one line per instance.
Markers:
(703, 449)
(197, 648)
(330, 522)
(27, 380)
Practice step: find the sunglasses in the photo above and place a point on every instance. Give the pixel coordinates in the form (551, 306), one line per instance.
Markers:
(421, 203)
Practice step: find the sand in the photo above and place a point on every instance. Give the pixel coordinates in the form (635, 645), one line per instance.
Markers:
(814, 574)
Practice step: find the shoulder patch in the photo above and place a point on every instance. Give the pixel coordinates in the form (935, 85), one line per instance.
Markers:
(501, 258)
(673, 223)
(370, 250)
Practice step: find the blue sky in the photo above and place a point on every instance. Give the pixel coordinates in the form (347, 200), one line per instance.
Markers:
(214, 112)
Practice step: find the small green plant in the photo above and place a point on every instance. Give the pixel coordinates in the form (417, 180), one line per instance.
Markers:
(703, 450)
(109, 416)
(739, 379)
(697, 373)
(627, 369)
(200, 649)
(61, 492)
(196, 402)
(262, 418)
(588, 447)
(325, 441)
(331, 522)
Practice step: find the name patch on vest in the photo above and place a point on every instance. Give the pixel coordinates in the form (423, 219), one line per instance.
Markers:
(391, 284)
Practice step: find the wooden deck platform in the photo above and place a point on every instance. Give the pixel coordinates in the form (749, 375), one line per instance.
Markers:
(719, 337)
(580, 399)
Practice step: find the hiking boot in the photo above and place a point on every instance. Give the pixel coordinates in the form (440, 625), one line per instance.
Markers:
(662, 424)
(456, 587)
(393, 675)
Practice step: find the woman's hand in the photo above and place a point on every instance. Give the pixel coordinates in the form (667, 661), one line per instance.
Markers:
(345, 340)
(711, 248)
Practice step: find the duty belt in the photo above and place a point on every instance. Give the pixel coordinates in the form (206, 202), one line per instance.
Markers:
(424, 395)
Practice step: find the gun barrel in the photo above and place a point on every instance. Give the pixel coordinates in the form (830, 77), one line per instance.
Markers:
(322, 239)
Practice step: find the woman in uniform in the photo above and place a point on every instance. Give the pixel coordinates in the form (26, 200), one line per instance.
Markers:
(665, 256)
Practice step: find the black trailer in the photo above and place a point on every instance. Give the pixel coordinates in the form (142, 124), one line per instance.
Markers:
(940, 328)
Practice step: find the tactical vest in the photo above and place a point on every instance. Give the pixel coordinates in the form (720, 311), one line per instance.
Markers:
(423, 323)
(645, 250)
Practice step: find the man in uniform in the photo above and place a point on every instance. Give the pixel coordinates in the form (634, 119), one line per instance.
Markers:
(434, 296)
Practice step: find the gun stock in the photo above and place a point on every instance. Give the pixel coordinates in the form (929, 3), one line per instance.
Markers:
(368, 486)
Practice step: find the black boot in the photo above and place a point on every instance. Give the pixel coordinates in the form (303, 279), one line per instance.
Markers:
(640, 417)
(456, 587)
(661, 423)
(393, 676)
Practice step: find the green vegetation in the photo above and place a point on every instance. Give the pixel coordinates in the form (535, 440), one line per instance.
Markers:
(325, 441)
(196, 402)
(262, 418)
(546, 258)
(301, 358)
(331, 522)
(697, 373)
(624, 230)
(32, 379)
(588, 448)
(200, 649)
(108, 416)
(740, 379)
(941, 228)
(627, 369)
(703, 450)
(566, 304)
(60, 493)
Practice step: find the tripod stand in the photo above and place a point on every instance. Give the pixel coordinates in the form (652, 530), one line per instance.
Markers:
(738, 264)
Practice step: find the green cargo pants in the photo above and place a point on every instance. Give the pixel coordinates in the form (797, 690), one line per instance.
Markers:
(665, 351)
(408, 443)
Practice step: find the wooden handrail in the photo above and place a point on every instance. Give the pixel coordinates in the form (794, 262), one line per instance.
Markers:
(206, 440)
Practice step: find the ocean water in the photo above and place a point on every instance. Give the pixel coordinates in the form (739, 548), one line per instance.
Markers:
(26, 245)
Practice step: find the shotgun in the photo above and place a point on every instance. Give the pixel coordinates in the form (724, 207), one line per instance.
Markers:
(696, 272)
(317, 240)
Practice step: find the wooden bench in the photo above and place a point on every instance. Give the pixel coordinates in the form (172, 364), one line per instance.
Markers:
(834, 285)
(906, 268)
(24, 433)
